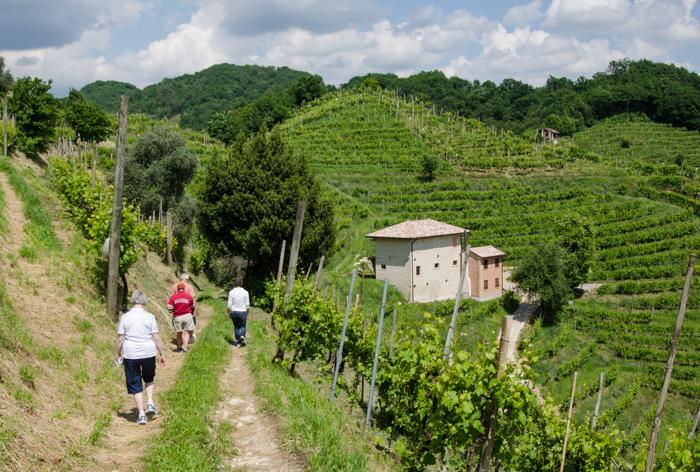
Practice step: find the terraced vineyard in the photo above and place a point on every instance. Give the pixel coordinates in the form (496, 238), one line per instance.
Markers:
(509, 192)
(636, 137)
(385, 131)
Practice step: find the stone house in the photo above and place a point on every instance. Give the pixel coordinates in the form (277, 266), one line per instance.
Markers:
(549, 134)
(421, 258)
(485, 271)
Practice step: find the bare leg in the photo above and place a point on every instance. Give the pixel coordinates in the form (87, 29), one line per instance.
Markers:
(149, 393)
(138, 398)
(186, 338)
(179, 340)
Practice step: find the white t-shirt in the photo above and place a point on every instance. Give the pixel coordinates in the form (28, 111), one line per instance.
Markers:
(238, 299)
(138, 327)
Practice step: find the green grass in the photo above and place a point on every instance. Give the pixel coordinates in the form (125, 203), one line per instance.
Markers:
(39, 227)
(187, 439)
(4, 224)
(315, 428)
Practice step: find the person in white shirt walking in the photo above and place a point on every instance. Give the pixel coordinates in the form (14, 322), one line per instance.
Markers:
(137, 343)
(238, 308)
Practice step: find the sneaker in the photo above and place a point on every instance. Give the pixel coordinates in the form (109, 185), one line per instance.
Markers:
(142, 419)
(238, 344)
(242, 340)
(184, 350)
(193, 338)
(151, 409)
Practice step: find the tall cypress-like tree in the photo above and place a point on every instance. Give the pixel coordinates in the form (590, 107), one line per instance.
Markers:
(247, 204)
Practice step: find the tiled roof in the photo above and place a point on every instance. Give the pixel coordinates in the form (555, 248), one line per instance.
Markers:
(416, 229)
(487, 251)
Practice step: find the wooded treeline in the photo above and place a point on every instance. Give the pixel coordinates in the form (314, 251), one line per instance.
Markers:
(664, 92)
(195, 97)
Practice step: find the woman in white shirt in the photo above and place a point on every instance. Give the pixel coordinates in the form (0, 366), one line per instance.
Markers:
(137, 342)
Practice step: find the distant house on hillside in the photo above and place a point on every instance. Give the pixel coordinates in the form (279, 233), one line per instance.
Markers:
(485, 270)
(421, 258)
(549, 134)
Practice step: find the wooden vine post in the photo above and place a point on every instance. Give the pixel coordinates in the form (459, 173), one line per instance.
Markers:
(94, 167)
(656, 425)
(4, 123)
(116, 228)
(292, 269)
(169, 237)
(493, 414)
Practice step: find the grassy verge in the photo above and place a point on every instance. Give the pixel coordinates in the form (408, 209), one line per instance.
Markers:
(4, 224)
(188, 440)
(40, 228)
(315, 428)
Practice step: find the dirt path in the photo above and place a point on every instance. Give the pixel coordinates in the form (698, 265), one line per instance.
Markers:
(15, 215)
(255, 435)
(126, 440)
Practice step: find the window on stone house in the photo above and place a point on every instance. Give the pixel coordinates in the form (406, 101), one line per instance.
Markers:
(486, 284)
(383, 266)
(417, 270)
(454, 263)
(437, 264)
(486, 264)
(498, 282)
(497, 261)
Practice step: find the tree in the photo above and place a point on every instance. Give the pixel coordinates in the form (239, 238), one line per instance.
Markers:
(554, 122)
(542, 274)
(575, 234)
(429, 164)
(307, 89)
(6, 79)
(247, 204)
(36, 112)
(371, 84)
(86, 117)
(159, 165)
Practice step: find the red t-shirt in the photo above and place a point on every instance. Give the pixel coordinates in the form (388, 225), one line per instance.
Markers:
(181, 304)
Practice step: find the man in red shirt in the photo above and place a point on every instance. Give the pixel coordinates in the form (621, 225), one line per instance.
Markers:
(189, 289)
(182, 307)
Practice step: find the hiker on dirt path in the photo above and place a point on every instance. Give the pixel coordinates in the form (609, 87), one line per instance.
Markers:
(182, 307)
(137, 343)
(189, 290)
(238, 308)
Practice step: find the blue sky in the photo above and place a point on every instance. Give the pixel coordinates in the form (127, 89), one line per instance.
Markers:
(74, 42)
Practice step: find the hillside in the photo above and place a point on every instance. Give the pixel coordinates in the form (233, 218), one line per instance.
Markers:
(195, 97)
(510, 192)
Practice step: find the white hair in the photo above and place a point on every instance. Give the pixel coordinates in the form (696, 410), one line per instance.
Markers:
(139, 298)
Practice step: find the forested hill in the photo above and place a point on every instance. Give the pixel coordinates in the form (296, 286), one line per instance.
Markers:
(665, 93)
(195, 97)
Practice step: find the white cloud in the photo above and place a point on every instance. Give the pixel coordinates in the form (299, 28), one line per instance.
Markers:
(523, 15)
(586, 15)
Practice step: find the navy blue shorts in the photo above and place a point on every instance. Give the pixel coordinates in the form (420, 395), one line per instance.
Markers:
(138, 371)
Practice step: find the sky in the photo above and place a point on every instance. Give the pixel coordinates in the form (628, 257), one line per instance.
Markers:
(75, 42)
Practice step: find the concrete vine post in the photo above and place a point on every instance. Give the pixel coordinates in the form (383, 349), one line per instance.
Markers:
(377, 348)
(116, 228)
(393, 334)
(318, 274)
(568, 423)
(597, 405)
(656, 425)
(694, 426)
(458, 298)
(339, 357)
